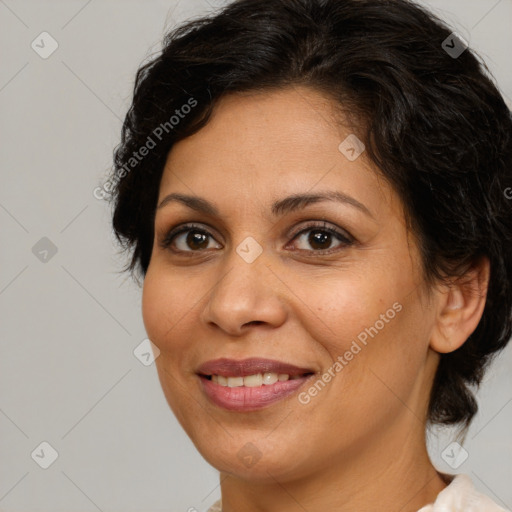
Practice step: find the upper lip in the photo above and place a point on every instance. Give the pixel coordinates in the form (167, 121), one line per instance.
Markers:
(243, 367)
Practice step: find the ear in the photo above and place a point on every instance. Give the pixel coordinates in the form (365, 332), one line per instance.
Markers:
(459, 308)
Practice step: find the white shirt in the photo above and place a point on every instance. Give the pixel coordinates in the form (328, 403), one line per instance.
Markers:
(459, 496)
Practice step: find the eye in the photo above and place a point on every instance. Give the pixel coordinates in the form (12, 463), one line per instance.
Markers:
(321, 237)
(190, 238)
(195, 238)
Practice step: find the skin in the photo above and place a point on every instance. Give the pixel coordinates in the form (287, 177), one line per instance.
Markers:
(359, 444)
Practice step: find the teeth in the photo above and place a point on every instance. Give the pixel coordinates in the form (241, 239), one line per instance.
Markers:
(269, 378)
(253, 381)
(235, 382)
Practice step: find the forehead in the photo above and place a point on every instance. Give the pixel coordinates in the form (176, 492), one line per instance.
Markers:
(271, 144)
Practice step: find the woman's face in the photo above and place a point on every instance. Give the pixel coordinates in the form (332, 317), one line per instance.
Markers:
(345, 307)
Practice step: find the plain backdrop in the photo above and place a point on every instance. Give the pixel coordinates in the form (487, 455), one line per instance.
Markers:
(70, 321)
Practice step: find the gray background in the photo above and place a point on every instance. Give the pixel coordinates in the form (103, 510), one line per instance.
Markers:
(69, 325)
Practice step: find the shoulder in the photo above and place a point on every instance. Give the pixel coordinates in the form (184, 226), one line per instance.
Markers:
(461, 496)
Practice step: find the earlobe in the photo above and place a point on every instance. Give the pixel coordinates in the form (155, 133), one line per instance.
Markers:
(460, 308)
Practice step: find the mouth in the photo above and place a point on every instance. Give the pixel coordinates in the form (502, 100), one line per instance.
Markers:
(250, 384)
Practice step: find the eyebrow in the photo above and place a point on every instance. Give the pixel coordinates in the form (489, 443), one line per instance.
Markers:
(281, 207)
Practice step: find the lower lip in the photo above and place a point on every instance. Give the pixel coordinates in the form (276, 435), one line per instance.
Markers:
(245, 399)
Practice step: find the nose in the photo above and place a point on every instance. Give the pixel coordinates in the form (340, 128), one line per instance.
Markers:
(246, 294)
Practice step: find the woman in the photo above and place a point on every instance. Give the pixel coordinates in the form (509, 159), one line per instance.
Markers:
(314, 193)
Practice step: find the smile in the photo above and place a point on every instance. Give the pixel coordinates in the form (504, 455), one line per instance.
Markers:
(250, 384)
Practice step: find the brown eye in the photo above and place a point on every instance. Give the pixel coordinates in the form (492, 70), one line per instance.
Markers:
(187, 239)
(196, 240)
(192, 239)
(320, 238)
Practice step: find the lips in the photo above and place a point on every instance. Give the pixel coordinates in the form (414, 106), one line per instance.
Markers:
(242, 368)
(250, 384)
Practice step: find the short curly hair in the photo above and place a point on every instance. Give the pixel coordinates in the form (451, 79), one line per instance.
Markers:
(435, 125)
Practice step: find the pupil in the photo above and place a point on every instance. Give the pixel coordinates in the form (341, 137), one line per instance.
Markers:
(319, 237)
(200, 239)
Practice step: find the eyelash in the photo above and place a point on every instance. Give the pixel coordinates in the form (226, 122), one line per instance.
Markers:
(174, 232)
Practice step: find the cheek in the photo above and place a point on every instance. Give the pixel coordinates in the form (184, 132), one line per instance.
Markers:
(166, 302)
(167, 310)
(376, 323)
(350, 307)
(154, 305)
(383, 352)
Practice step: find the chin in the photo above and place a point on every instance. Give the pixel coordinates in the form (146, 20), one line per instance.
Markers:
(255, 460)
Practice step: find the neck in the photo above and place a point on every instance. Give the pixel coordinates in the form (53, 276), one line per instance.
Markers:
(394, 473)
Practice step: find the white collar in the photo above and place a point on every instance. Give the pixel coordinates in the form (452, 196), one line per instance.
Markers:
(461, 496)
